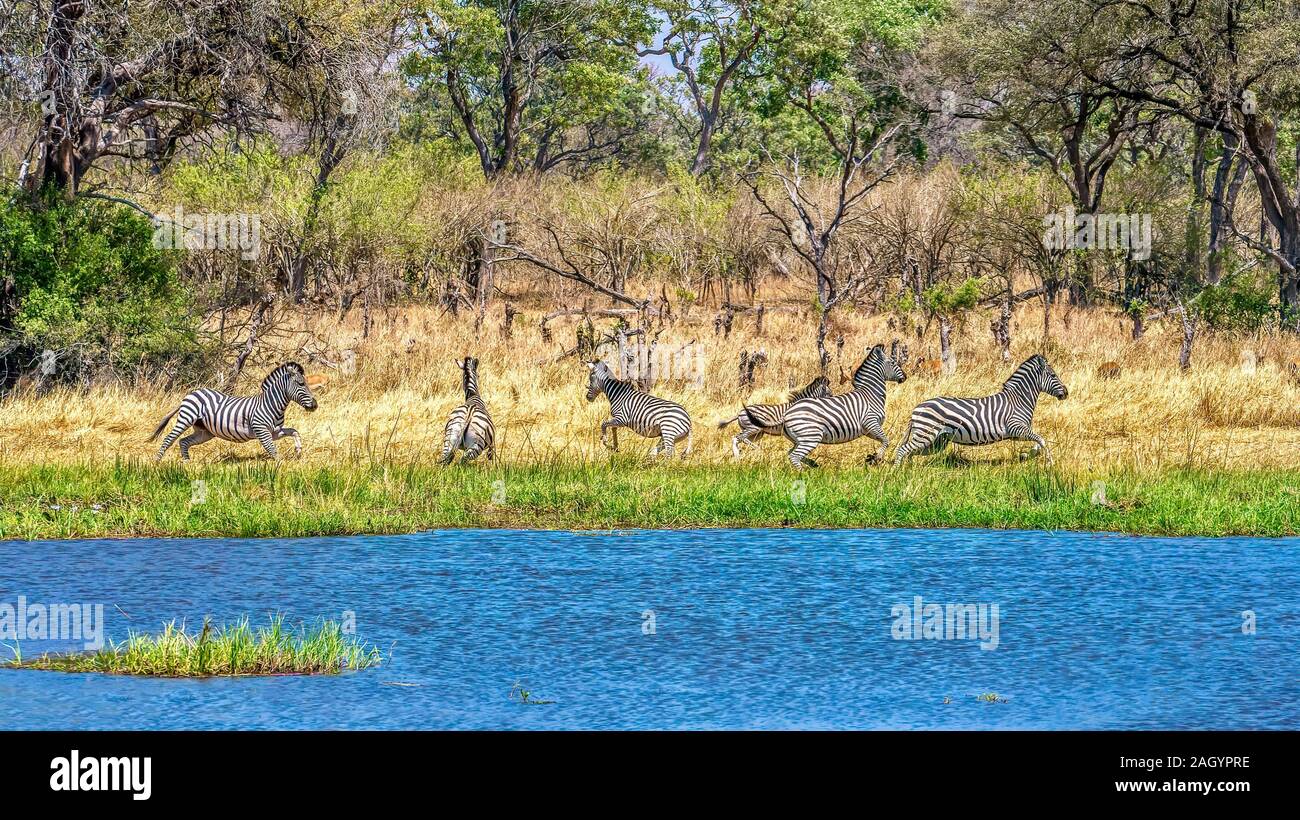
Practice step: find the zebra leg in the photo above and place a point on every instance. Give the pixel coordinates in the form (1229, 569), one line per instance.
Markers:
(918, 444)
(745, 435)
(799, 452)
(690, 443)
(474, 447)
(267, 440)
(184, 418)
(297, 439)
(610, 426)
(453, 433)
(875, 431)
(199, 436)
(1040, 446)
(664, 446)
(903, 450)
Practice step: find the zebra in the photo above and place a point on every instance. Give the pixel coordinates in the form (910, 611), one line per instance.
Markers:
(642, 413)
(470, 427)
(214, 414)
(765, 419)
(1006, 415)
(838, 419)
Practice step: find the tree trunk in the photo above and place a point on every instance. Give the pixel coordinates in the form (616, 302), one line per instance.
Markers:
(1228, 179)
(701, 162)
(1001, 326)
(946, 357)
(823, 325)
(1189, 337)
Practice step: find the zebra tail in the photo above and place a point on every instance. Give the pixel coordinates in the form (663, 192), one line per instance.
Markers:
(162, 424)
(907, 436)
(731, 420)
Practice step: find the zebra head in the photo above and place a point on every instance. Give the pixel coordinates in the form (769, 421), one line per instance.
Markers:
(815, 389)
(893, 370)
(469, 375)
(289, 381)
(1049, 382)
(877, 367)
(596, 381)
(1038, 375)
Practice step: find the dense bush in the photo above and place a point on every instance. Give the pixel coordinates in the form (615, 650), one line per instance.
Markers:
(84, 281)
(1240, 302)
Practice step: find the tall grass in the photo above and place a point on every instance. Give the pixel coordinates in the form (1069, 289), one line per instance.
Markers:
(1215, 450)
(232, 650)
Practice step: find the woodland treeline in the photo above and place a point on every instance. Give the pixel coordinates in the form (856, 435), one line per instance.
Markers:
(629, 160)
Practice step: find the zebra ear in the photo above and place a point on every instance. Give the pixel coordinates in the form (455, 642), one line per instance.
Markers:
(591, 366)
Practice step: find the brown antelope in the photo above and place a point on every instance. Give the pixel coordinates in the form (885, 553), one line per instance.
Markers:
(1108, 370)
(932, 368)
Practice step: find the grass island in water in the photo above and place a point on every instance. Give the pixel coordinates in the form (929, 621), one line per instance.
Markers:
(229, 651)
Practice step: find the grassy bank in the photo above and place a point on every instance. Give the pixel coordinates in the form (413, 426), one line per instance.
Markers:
(232, 650)
(260, 499)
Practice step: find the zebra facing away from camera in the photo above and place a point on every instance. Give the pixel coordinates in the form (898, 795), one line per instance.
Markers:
(470, 427)
(838, 419)
(214, 414)
(1006, 415)
(640, 412)
(765, 419)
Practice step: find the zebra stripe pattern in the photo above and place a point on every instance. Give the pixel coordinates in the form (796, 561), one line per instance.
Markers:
(214, 414)
(470, 427)
(1006, 415)
(640, 412)
(838, 419)
(766, 419)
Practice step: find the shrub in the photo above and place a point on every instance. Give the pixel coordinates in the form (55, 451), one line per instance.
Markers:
(86, 282)
(1239, 302)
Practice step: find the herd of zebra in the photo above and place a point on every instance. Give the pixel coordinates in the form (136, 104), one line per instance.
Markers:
(813, 415)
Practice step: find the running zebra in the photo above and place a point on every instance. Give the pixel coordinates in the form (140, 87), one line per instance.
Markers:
(1006, 415)
(638, 411)
(838, 419)
(214, 414)
(470, 427)
(765, 419)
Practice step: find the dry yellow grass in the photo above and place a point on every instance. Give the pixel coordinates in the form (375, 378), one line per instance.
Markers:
(391, 403)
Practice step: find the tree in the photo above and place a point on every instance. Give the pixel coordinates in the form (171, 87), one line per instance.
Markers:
(522, 75)
(711, 43)
(141, 80)
(848, 86)
(1226, 66)
(1011, 64)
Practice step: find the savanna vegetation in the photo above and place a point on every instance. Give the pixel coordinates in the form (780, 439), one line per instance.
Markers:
(723, 199)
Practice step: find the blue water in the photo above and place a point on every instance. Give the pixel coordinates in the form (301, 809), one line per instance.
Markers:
(752, 629)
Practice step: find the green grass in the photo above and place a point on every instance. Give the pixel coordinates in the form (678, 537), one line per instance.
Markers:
(227, 651)
(261, 499)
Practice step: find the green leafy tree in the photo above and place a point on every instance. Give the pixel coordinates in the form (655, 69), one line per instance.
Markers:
(532, 83)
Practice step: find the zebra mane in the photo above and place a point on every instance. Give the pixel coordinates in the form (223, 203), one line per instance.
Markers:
(282, 369)
(1031, 366)
(469, 376)
(871, 364)
(808, 389)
